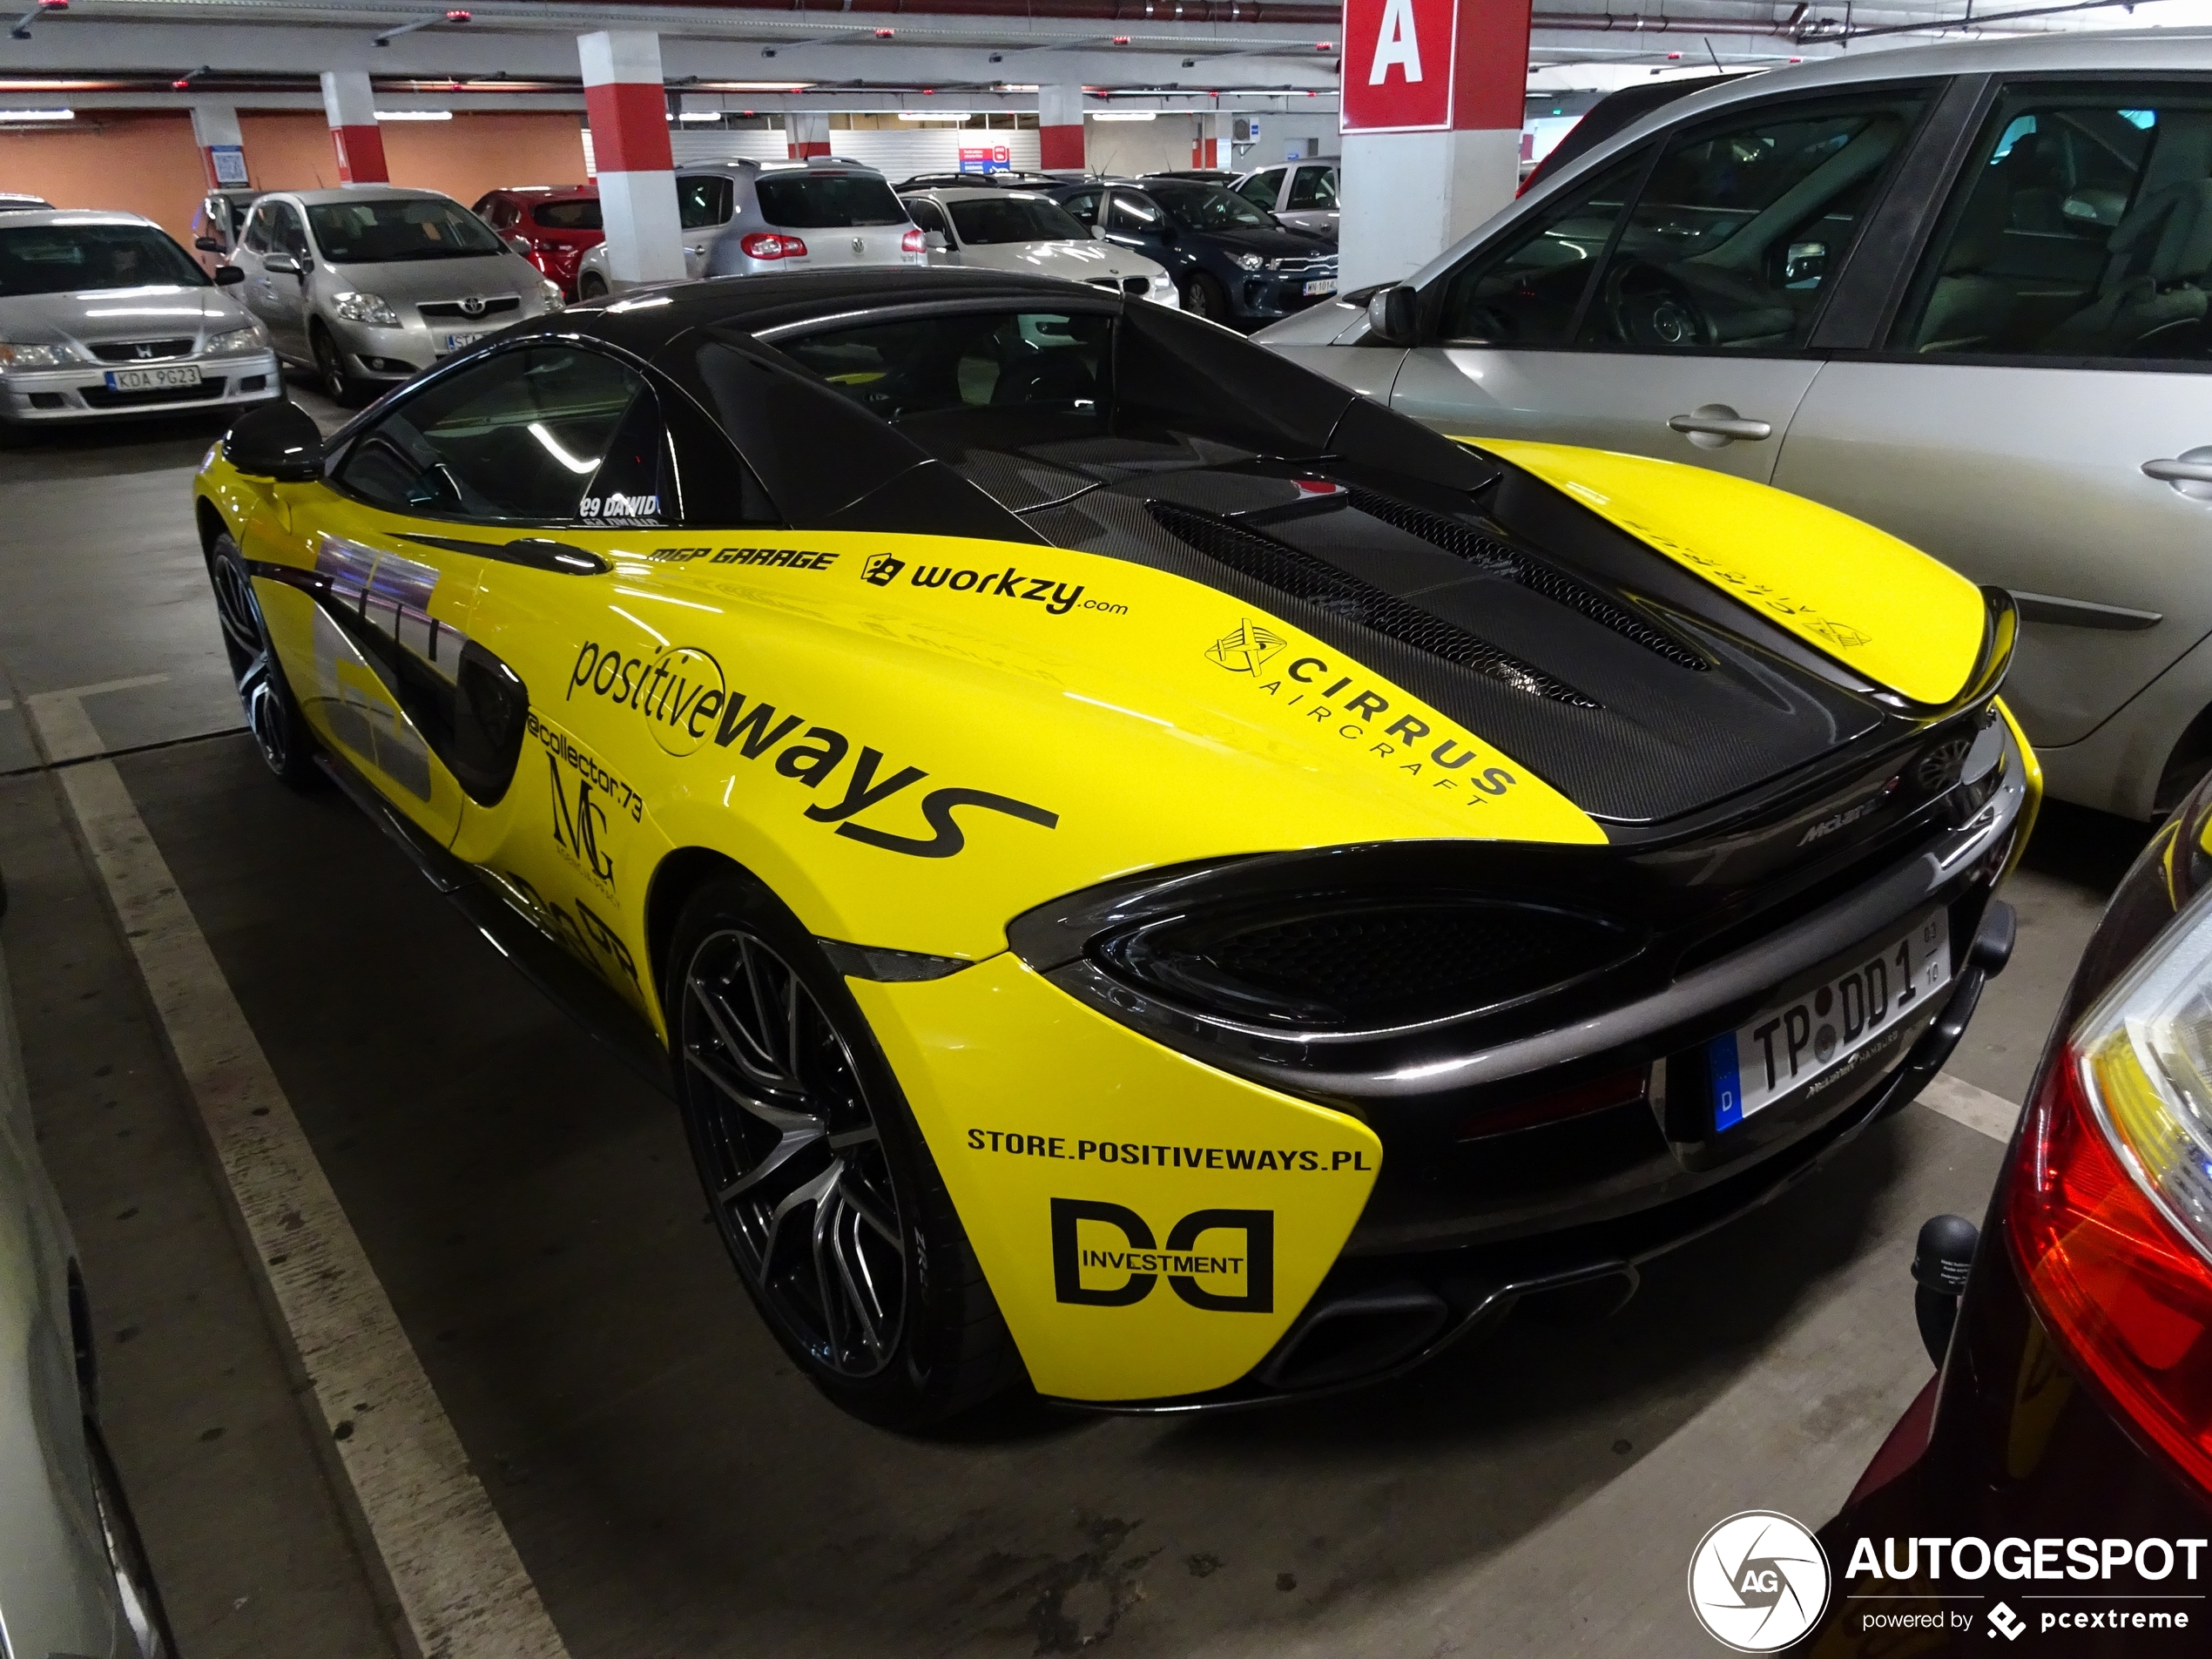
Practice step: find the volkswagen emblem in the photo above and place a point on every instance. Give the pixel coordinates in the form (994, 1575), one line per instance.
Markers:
(860, 245)
(473, 306)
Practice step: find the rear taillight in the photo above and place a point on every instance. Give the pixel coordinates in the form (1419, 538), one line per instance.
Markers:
(911, 242)
(2109, 1213)
(766, 245)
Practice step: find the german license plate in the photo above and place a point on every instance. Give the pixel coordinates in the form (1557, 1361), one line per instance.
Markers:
(152, 380)
(1322, 285)
(455, 342)
(1789, 1045)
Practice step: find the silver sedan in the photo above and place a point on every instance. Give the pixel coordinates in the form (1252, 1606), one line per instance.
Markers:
(103, 316)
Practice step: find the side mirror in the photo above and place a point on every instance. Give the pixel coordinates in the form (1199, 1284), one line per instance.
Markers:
(274, 263)
(519, 244)
(208, 245)
(279, 440)
(934, 241)
(1393, 316)
(228, 276)
(1098, 232)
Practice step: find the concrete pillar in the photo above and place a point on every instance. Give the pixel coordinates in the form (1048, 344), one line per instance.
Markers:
(806, 134)
(1434, 92)
(353, 132)
(1059, 129)
(628, 107)
(1214, 147)
(222, 145)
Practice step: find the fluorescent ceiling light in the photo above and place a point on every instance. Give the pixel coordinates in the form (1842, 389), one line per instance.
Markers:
(415, 115)
(38, 115)
(551, 445)
(700, 115)
(934, 115)
(1122, 115)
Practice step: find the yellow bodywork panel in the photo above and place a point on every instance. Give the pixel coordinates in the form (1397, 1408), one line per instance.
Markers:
(1878, 605)
(1150, 1227)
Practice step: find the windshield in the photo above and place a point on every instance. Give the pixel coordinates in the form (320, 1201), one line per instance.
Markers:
(68, 258)
(407, 227)
(1016, 218)
(582, 214)
(1206, 207)
(818, 201)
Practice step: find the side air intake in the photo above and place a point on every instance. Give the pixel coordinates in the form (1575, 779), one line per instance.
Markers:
(1291, 570)
(1495, 559)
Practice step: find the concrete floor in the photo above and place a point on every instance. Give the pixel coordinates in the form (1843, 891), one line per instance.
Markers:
(672, 1486)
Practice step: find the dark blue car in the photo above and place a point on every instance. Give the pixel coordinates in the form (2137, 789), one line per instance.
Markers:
(1232, 263)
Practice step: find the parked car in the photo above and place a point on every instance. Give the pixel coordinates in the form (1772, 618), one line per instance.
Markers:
(1199, 175)
(748, 218)
(1231, 262)
(15, 202)
(2071, 1396)
(551, 226)
(1303, 193)
(74, 1579)
(1144, 871)
(69, 352)
(216, 224)
(1006, 230)
(1957, 291)
(370, 285)
(1001, 177)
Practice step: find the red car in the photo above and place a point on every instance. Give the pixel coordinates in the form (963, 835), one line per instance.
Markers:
(551, 226)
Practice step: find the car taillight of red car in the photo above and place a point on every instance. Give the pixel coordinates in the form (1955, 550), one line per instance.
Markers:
(2109, 1211)
(767, 245)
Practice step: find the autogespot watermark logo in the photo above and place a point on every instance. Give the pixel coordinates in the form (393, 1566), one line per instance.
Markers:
(1758, 1581)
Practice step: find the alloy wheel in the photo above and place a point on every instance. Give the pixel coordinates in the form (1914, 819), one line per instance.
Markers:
(333, 371)
(793, 1157)
(246, 640)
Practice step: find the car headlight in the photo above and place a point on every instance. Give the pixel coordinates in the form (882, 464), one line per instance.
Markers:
(12, 356)
(236, 342)
(1249, 261)
(554, 300)
(365, 308)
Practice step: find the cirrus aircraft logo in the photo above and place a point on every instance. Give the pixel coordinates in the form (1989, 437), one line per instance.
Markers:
(1758, 1582)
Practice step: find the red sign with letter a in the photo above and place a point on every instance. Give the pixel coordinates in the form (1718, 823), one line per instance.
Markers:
(1398, 64)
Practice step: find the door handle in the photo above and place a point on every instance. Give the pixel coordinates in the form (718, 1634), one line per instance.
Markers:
(1710, 426)
(2190, 473)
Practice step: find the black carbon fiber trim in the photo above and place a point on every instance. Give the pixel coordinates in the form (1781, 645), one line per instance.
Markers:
(1495, 559)
(1303, 576)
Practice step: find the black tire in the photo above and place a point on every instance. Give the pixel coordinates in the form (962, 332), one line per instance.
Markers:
(333, 379)
(1203, 297)
(783, 1091)
(272, 712)
(590, 286)
(145, 1621)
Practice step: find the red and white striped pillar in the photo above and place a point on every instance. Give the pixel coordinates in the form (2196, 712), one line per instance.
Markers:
(1434, 95)
(627, 105)
(222, 145)
(1059, 129)
(353, 132)
(1213, 148)
(806, 136)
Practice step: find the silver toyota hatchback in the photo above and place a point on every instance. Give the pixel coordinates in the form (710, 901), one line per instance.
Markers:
(369, 285)
(1964, 292)
(754, 218)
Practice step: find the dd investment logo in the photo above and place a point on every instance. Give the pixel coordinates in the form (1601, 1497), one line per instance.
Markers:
(1758, 1582)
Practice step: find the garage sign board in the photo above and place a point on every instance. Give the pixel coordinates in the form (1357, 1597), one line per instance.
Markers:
(1398, 57)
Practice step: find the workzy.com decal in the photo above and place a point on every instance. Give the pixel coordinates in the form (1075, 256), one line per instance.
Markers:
(1132, 1262)
(1315, 689)
(680, 694)
(1056, 596)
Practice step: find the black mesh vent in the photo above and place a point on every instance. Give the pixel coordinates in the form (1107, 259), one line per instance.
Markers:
(1353, 963)
(1495, 559)
(1299, 574)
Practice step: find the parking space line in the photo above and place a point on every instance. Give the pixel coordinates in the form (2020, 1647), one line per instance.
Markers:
(60, 727)
(460, 1582)
(1960, 1101)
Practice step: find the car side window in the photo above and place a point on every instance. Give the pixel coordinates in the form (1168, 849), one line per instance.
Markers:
(1261, 188)
(1526, 289)
(1313, 188)
(2081, 227)
(926, 216)
(1083, 205)
(1133, 214)
(968, 361)
(287, 233)
(256, 239)
(1734, 236)
(546, 434)
(701, 200)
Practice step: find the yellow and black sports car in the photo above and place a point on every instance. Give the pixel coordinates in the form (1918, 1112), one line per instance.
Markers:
(1155, 873)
